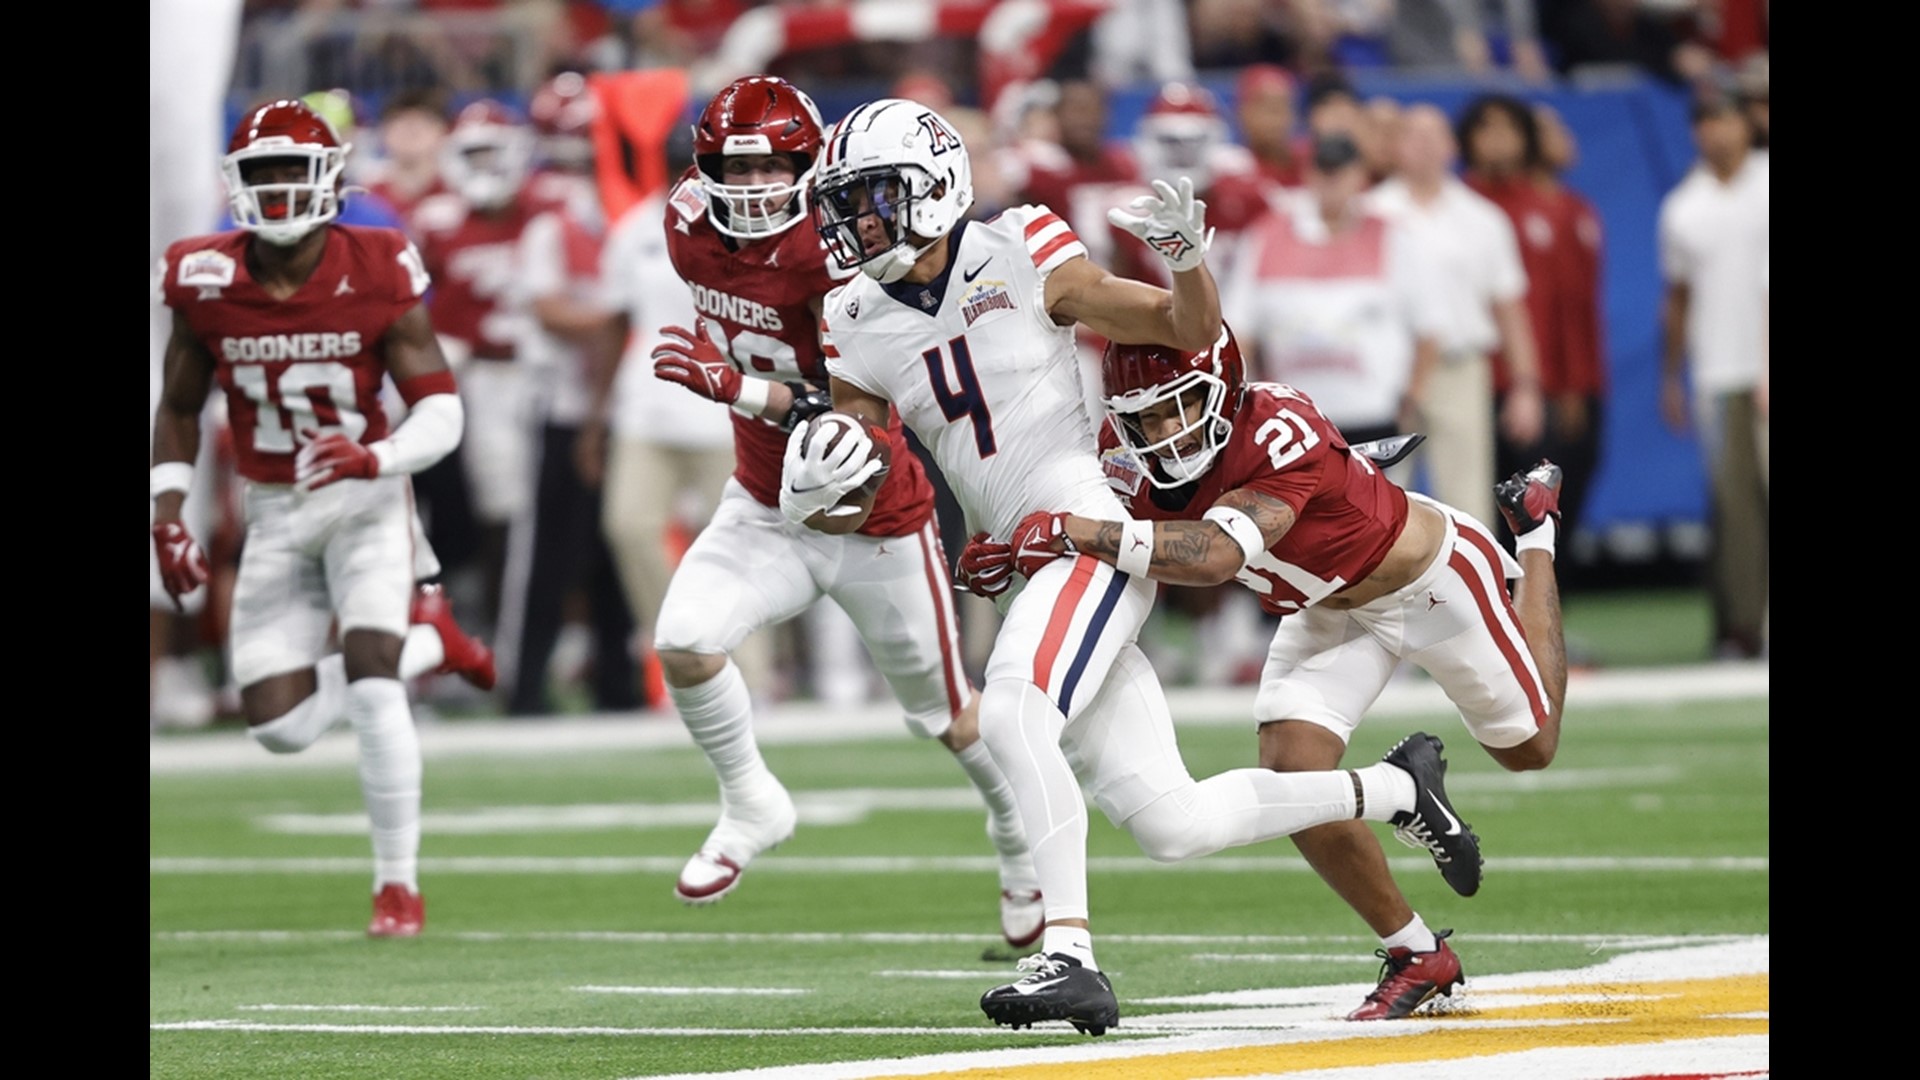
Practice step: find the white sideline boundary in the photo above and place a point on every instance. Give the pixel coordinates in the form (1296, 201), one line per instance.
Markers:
(794, 723)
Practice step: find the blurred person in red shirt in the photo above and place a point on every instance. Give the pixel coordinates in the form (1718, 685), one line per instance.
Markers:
(1265, 99)
(1078, 182)
(1505, 143)
(412, 130)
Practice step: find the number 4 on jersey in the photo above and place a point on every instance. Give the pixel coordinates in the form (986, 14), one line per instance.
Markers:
(969, 401)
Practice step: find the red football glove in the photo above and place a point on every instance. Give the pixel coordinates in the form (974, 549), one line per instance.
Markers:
(183, 566)
(1040, 538)
(330, 458)
(985, 567)
(696, 363)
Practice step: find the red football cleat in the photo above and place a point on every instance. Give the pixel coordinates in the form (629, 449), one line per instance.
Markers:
(397, 912)
(465, 656)
(1023, 917)
(1529, 498)
(1409, 980)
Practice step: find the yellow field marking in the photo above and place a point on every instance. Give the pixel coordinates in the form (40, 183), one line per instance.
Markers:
(1599, 1014)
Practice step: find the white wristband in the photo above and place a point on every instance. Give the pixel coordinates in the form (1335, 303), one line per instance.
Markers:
(1136, 548)
(1541, 537)
(169, 476)
(753, 397)
(1238, 526)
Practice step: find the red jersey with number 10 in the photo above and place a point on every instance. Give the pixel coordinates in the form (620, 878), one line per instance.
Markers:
(1347, 514)
(311, 362)
(759, 294)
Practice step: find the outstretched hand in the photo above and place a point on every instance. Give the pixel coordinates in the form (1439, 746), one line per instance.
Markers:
(1171, 222)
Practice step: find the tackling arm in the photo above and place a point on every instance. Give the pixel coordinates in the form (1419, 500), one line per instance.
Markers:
(1207, 552)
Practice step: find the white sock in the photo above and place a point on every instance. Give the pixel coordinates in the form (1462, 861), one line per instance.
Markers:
(298, 727)
(719, 715)
(1003, 818)
(389, 776)
(1414, 936)
(1389, 790)
(1021, 729)
(1540, 538)
(421, 651)
(1075, 941)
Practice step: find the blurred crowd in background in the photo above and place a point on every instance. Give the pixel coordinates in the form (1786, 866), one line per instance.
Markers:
(1414, 262)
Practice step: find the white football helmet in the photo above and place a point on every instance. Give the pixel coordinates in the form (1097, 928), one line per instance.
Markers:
(893, 179)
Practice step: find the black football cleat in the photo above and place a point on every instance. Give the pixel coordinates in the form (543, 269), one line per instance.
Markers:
(1055, 987)
(1526, 499)
(1432, 824)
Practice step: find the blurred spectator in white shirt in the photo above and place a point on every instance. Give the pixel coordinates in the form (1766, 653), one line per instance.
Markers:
(1468, 246)
(1714, 242)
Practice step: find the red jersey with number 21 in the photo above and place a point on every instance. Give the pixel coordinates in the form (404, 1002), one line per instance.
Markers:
(1347, 514)
(311, 362)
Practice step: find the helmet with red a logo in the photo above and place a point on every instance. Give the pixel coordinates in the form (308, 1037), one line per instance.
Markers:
(270, 146)
(488, 154)
(758, 115)
(563, 111)
(1204, 388)
(1179, 135)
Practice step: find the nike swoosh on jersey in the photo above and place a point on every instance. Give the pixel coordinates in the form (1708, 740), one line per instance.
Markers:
(969, 275)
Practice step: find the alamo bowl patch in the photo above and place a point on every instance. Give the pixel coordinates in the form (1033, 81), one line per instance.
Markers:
(985, 296)
(206, 268)
(688, 200)
(1123, 470)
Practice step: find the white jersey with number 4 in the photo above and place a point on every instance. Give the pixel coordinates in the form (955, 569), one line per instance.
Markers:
(980, 372)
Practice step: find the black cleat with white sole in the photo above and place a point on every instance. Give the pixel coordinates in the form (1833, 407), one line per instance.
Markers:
(1432, 824)
(1056, 987)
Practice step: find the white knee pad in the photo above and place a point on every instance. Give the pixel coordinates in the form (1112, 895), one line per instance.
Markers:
(1168, 830)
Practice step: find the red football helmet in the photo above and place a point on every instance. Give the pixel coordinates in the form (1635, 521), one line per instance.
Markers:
(488, 154)
(759, 114)
(563, 111)
(1179, 134)
(1137, 377)
(272, 206)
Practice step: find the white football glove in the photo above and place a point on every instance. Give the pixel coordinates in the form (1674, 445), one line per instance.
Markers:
(1172, 223)
(815, 477)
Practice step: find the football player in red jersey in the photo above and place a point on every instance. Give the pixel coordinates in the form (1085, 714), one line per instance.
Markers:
(1235, 481)
(299, 320)
(738, 233)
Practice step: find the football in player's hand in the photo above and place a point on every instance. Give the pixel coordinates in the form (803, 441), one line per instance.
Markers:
(833, 426)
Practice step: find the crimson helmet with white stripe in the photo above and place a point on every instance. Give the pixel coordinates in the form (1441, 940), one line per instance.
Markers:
(1134, 377)
(281, 212)
(759, 114)
(896, 164)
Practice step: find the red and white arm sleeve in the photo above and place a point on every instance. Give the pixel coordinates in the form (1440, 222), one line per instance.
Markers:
(435, 420)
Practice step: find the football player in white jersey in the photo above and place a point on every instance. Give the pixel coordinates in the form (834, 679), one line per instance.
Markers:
(967, 329)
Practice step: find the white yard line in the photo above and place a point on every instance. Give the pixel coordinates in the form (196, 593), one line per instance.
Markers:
(360, 1008)
(885, 864)
(249, 1026)
(807, 722)
(1594, 942)
(697, 991)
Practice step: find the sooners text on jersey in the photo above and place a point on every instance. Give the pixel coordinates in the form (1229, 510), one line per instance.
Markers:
(313, 361)
(759, 297)
(1347, 513)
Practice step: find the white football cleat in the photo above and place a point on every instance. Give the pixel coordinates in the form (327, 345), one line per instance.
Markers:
(743, 832)
(1023, 918)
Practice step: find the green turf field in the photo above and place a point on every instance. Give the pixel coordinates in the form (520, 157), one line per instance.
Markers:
(550, 910)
